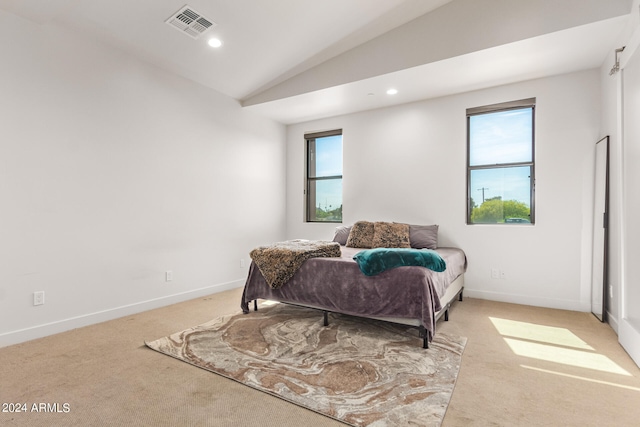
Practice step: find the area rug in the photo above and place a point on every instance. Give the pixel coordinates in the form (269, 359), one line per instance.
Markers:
(358, 371)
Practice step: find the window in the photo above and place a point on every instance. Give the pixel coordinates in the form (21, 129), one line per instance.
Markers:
(324, 177)
(500, 163)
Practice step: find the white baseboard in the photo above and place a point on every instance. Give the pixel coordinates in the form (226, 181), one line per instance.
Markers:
(612, 321)
(561, 304)
(39, 331)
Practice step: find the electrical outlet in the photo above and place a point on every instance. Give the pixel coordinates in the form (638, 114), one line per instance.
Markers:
(495, 273)
(38, 298)
(241, 262)
(610, 291)
(168, 276)
(503, 275)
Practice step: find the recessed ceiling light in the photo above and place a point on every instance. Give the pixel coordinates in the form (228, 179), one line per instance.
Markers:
(215, 42)
(392, 91)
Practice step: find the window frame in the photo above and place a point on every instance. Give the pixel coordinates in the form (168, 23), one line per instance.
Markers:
(493, 108)
(309, 210)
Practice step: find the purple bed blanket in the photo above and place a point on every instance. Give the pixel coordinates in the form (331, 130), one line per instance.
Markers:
(338, 285)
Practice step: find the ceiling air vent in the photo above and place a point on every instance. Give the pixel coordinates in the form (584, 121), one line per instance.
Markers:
(190, 22)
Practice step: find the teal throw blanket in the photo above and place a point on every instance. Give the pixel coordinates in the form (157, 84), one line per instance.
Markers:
(375, 261)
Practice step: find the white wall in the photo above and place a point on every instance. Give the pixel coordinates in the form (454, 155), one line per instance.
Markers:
(407, 164)
(112, 172)
(611, 124)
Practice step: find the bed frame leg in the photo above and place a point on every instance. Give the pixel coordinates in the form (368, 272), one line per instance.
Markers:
(446, 315)
(424, 335)
(255, 305)
(460, 296)
(326, 317)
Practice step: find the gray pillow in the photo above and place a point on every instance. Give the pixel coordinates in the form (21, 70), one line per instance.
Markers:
(342, 234)
(423, 236)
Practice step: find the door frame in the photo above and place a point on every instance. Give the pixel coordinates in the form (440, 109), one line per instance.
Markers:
(628, 334)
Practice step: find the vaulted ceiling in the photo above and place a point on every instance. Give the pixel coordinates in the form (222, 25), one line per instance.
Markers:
(297, 60)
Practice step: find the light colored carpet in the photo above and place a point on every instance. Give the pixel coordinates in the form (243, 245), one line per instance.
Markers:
(110, 378)
(362, 372)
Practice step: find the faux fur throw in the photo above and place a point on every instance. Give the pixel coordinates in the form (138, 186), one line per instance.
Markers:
(280, 261)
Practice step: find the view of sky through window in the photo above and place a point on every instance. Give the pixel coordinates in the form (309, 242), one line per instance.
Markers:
(507, 183)
(329, 194)
(329, 156)
(501, 137)
(501, 165)
(329, 163)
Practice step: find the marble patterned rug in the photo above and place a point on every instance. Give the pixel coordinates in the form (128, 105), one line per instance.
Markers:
(358, 371)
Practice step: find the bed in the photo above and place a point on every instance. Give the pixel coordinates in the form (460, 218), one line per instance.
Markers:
(409, 295)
